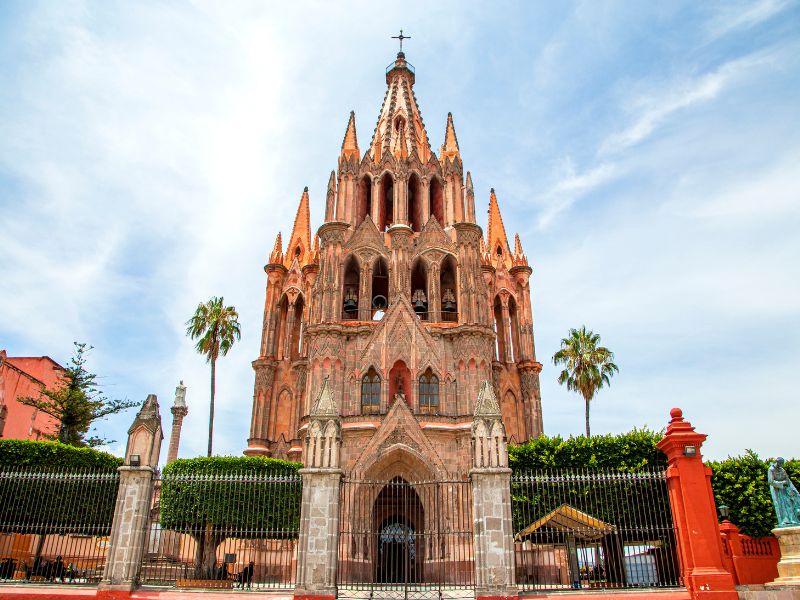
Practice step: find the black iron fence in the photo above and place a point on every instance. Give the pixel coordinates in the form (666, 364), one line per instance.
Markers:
(593, 529)
(54, 524)
(411, 539)
(223, 531)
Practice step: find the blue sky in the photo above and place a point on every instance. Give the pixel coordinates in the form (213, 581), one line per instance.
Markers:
(647, 153)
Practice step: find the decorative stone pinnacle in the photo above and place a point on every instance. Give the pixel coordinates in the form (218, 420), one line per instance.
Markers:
(325, 405)
(487, 405)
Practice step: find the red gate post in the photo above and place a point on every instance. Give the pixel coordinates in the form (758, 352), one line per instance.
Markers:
(695, 513)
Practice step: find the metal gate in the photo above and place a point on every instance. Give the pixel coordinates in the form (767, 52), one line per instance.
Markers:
(400, 539)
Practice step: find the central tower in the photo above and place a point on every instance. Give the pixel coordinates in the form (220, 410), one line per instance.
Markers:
(399, 305)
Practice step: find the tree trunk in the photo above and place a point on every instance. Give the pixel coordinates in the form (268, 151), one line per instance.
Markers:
(205, 553)
(211, 409)
(588, 431)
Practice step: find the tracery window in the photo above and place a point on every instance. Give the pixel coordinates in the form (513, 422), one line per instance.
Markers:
(428, 392)
(371, 392)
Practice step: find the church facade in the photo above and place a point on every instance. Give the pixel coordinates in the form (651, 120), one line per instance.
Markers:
(400, 305)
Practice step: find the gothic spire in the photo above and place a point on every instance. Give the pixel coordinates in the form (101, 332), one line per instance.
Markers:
(450, 146)
(400, 129)
(350, 141)
(519, 258)
(497, 241)
(300, 242)
(276, 257)
(330, 198)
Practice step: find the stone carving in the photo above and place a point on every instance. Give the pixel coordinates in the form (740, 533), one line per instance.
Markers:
(784, 495)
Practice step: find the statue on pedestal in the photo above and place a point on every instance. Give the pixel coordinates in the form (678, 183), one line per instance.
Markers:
(784, 495)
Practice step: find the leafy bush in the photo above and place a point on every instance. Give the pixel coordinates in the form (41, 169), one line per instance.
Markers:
(626, 452)
(741, 484)
(53, 455)
(219, 497)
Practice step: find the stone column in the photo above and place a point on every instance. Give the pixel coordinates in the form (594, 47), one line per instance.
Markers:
(318, 543)
(179, 410)
(695, 513)
(131, 522)
(491, 500)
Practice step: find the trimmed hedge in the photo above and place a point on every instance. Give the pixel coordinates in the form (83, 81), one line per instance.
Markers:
(624, 452)
(53, 455)
(741, 484)
(211, 499)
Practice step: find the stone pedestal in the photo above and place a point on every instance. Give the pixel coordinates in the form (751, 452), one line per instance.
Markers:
(318, 543)
(494, 536)
(789, 565)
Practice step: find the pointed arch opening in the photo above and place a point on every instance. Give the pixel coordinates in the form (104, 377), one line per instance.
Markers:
(296, 347)
(436, 200)
(414, 204)
(500, 330)
(364, 198)
(419, 289)
(371, 392)
(398, 516)
(387, 202)
(513, 326)
(429, 392)
(351, 286)
(400, 382)
(280, 328)
(380, 289)
(447, 288)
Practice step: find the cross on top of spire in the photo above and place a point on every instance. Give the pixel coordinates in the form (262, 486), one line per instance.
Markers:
(401, 37)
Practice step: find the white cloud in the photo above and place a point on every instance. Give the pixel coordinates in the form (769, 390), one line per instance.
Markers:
(743, 15)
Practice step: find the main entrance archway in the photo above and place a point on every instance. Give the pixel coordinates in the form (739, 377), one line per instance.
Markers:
(398, 534)
(397, 517)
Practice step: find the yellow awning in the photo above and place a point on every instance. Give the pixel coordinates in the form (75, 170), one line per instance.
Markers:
(570, 520)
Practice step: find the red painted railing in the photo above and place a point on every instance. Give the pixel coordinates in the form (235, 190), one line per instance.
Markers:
(749, 560)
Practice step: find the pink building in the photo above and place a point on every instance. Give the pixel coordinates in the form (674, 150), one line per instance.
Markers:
(21, 377)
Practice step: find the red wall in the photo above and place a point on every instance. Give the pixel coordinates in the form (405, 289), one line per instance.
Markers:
(21, 377)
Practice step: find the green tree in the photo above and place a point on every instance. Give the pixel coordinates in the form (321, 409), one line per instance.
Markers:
(217, 327)
(76, 402)
(587, 366)
(211, 499)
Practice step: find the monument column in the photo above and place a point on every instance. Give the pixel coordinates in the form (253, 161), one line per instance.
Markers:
(318, 542)
(179, 410)
(132, 510)
(491, 501)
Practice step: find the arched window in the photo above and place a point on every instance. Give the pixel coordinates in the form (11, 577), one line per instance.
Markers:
(447, 289)
(296, 348)
(428, 392)
(352, 281)
(414, 207)
(513, 324)
(436, 200)
(387, 203)
(501, 330)
(419, 289)
(371, 392)
(380, 289)
(364, 198)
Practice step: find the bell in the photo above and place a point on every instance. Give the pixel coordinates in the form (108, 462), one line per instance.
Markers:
(419, 301)
(379, 302)
(350, 304)
(448, 301)
(449, 306)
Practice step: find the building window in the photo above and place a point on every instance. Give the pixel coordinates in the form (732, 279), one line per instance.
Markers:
(428, 393)
(371, 392)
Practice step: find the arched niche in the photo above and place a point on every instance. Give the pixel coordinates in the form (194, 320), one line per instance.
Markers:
(364, 198)
(387, 202)
(400, 381)
(448, 290)
(371, 392)
(296, 344)
(500, 330)
(436, 200)
(414, 202)
(280, 329)
(419, 289)
(350, 288)
(513, 324)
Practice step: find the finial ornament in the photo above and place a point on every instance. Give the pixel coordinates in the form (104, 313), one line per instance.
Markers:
(401, 37)
(784, 495)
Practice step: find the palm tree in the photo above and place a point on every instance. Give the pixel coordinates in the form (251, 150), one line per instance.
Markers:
(588, 367)
(216, 325)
